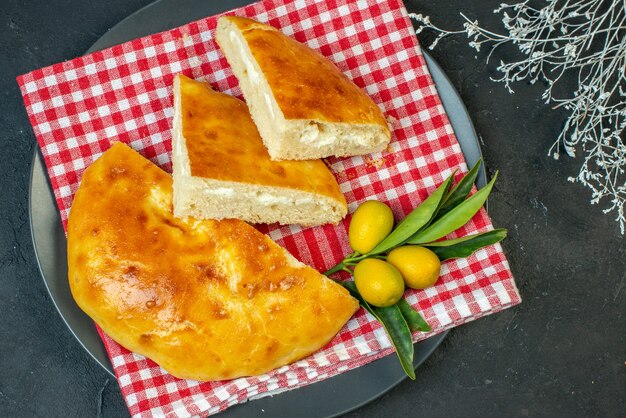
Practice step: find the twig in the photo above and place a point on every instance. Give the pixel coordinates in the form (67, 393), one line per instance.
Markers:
(582, 37)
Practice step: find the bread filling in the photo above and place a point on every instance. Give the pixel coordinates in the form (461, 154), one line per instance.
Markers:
(202, 198)
(263, 198)
(254, 76)
(268, 103)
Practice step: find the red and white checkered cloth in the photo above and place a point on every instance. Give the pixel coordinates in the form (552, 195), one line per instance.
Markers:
(79, 107)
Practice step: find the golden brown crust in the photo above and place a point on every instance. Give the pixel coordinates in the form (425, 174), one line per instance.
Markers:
(223, 143)
(305, 84)
(207, 300)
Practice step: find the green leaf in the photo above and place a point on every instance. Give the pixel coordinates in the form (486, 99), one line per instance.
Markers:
(454, 219)
(460, 191)
(413, 318)
(414, 221)
(464, 247)
(394, 324)
(400, 336)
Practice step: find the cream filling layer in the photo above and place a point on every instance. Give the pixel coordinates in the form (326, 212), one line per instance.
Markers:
(263, 198)
(254, 76)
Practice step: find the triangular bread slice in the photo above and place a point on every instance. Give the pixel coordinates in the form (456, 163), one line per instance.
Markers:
(303, 105)
(222, 169)
(205, 299)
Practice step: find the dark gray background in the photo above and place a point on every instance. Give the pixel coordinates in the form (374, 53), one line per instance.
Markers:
(561, 353)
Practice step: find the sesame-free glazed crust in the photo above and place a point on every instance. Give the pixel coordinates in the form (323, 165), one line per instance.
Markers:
(223, 143)
(206, 300)
(305, 84)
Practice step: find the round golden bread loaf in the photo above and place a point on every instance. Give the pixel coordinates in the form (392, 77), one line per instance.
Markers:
(206, 300)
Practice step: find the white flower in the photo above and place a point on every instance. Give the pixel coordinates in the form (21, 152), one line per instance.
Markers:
(475, 45)
(570, 50)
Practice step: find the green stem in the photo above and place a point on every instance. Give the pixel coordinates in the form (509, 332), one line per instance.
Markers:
(350, 260)
(347, 270)
(355, 259)
(339, 267)
(379, 256)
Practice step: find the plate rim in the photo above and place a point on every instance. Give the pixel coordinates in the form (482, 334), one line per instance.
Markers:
(433, 342)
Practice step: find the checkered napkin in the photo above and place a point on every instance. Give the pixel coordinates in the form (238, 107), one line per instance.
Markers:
(79, 107)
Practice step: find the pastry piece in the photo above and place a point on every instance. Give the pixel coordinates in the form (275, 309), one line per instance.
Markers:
(302, 104)
(222, 169)
(206, 300)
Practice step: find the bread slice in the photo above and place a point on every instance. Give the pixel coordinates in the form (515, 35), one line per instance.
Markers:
(205, 299)
(303, 106)
(222, 170)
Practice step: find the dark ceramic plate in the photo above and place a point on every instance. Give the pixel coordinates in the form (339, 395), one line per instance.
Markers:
(332, 397)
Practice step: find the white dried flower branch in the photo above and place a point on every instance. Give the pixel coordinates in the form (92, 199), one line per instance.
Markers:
(584, 37)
